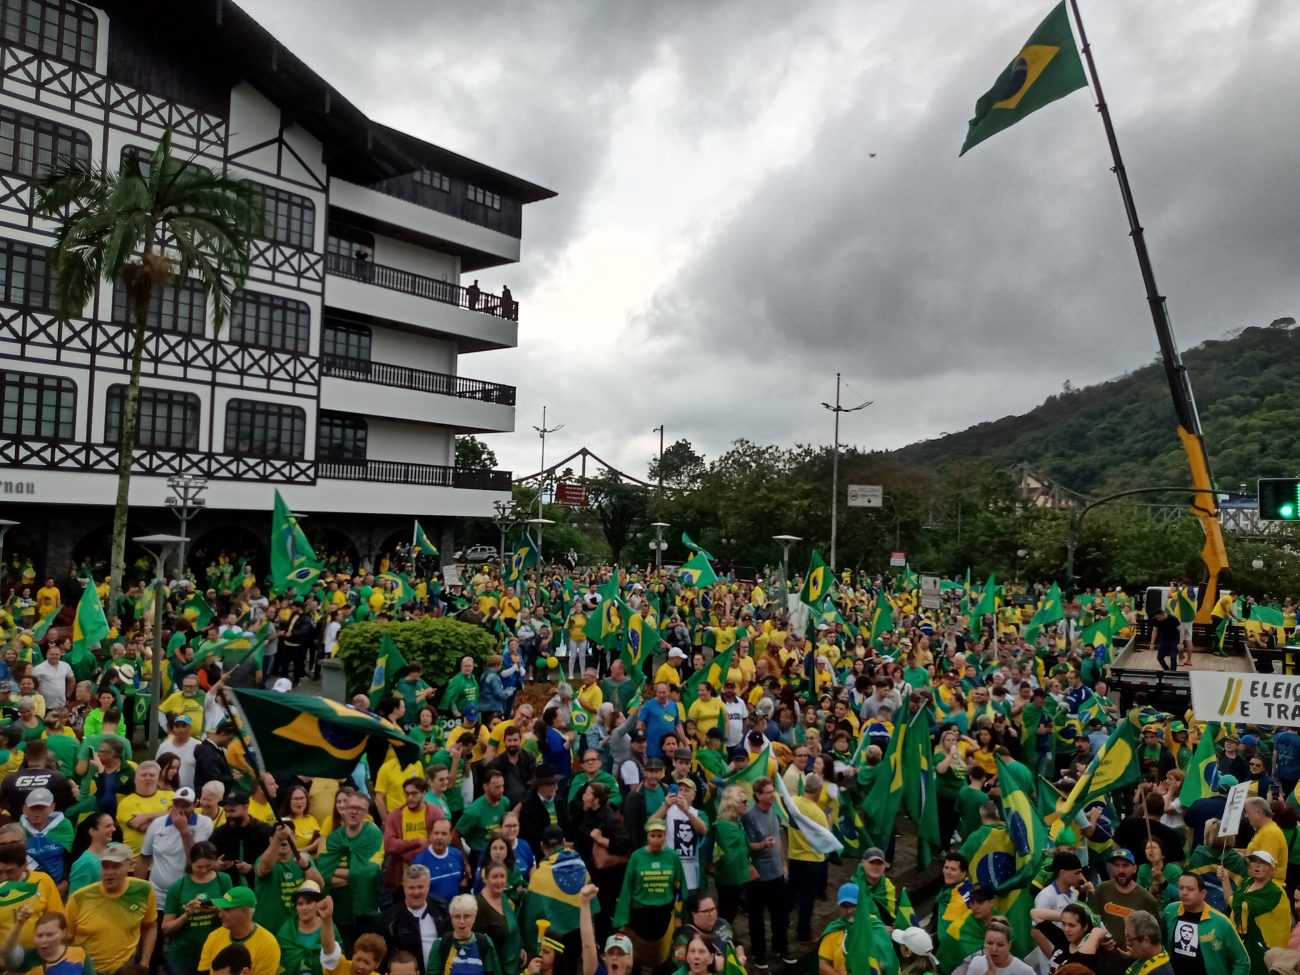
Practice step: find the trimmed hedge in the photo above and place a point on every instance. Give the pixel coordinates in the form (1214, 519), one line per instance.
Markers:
(437, 642)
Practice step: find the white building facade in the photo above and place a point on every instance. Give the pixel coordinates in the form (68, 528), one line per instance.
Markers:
(338, 378)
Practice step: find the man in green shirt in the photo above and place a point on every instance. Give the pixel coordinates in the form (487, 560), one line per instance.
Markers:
(351, 864)
(280, 871)
(481, 820)
(970, 797)
(651, 880)
(1201, 940)
(590, 772)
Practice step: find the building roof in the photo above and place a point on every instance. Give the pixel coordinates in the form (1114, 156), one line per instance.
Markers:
(236, 47)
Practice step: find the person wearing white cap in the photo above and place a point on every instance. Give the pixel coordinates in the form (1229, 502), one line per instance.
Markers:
(115, 920)
(916, 951)
(670, 671)
(167, 842)
(1261, 911)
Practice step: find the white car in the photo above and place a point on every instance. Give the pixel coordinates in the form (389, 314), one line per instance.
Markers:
(478, 553)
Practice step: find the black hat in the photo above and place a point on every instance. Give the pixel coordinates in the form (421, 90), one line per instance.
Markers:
(737, 754)
(235, 799)
(756, 738)
(713, 733)
(1066, 861)
(552, 835)
(654, 763)
(981, 892)
(544, 775)
(637, 734)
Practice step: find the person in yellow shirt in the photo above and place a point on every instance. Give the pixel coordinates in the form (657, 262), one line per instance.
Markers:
(389, 793)
(188, 701)
(237, 927)
(1268, 834)
(48, 599)
(831, 958)
(13, 868)
(807, 867)
(136, 810)
(487, 601)
(590, 696)
(510, 608)
(706, 711)
(670, 671)
(116, 919)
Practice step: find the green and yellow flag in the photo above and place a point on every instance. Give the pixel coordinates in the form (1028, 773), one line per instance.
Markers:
(389, 668)
(1113, 767)
(1047, 68)
(315, 736)
(817, 584)
(403, 592)
(690, 544)
(43, 625)
(882, 618)
(697, 572)
(421, 544)
(293, 563)
(523, 558)
(1203, 777)
(234, 648)
(197, 611)
(89, 627)
(16, 891)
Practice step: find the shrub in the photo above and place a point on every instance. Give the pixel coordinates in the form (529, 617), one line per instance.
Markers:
(438, 643)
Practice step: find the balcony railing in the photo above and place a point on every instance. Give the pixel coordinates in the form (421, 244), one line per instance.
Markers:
(421, 380)
(401, 472)
(422, 286)
(455, 201)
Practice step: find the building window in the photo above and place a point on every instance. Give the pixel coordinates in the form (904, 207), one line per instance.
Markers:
(271, 322)
(37, 407)
(169, 419)
(179, 307)
(433, 180)
(288, 218)
(31, 146)
(58, 29)
(351, 342)
(341, 438)
(346, 242)
(256, 428)
(479, 195)
(25, 275)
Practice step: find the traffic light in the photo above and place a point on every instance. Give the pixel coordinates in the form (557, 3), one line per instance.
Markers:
(1279, 499)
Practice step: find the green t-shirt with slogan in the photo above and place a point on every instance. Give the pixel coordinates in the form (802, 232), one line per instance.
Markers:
(187, 943)
(650, 880)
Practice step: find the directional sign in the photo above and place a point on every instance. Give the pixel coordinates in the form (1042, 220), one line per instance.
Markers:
(866, 495)
(897, 559)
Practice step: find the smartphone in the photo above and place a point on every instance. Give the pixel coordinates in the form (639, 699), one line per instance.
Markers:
(672, 789)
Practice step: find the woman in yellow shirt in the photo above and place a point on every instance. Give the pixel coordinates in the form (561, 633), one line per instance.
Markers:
(706, 711)
(306, 830)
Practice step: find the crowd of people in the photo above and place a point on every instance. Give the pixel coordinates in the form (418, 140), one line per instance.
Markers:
(653, 792)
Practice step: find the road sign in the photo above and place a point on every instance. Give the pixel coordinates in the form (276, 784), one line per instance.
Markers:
(572, 494)
(866, 495)
(930, 598)
(897, 559)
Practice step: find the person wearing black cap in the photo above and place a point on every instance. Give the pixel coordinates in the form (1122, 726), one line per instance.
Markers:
(541, 807)
(962, 927)
(240, 840)
(632, 770)
(1068, 886)
(210, 763)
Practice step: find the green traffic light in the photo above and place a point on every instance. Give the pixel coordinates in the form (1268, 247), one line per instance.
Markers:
(1287, 511)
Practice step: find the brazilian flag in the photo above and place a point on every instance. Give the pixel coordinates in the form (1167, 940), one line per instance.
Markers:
(421, 543)
(293, 562)
(697, 572)
(234, 649)
(690, 544)
(1203, 777)
(639, 637)
(388, 669)
(524, 557)
(313, 736)
(1113, 767)
(882, 618)
(817, 584)
(1047, 68)
(402, 591)
(197, 611)
(43, 625)
(604, 625)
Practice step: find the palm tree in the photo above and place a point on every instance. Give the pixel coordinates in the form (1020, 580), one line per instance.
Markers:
(156, 220)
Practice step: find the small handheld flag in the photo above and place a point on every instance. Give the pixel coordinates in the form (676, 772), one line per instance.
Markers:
(421, 544)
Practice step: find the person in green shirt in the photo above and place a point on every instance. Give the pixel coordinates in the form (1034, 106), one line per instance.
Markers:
(590, 772)
(970, 801)
(188, 914)
(730, 852)
(651, 881)
(300, 935)
(351, 864)
(482, 818)
(413, 688)
(461, 689)
(1201, 940)
(280, 873)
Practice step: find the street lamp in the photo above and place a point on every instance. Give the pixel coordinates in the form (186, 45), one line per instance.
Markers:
(160, 547)
(835, 462)
(506, 517)
(1020, 554)
(659, 546)
(185, 502)
(1257, 563)
(539, 524)
(5, 525)
(786, 541)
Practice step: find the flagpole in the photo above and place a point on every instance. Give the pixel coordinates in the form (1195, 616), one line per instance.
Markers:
(1205, 505)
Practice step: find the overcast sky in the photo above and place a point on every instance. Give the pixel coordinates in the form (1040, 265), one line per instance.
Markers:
(724, 239)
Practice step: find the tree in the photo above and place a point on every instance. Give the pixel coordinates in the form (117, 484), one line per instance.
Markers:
(680, 466)
(472, 454)
(618, 507)
(156, 220)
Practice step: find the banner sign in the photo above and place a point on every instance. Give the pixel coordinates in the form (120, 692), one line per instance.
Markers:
(1267, 699)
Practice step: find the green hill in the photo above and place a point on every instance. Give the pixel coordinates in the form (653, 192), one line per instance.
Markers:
(1121, 433)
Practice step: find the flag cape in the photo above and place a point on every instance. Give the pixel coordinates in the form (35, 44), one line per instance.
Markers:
(1047, 68)
(314, 736)
(388, 669)
(545, 900)
(816, 835)
(421, 544)
(293, 563)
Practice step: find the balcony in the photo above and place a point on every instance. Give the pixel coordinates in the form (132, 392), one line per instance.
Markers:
(455, 201)
(420, 380)
(401, 472)
(395, 279)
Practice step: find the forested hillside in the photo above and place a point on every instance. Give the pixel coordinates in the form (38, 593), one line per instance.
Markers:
(1121, 433)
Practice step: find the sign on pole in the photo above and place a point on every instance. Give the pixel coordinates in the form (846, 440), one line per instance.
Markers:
(572, 494)
(1246, 698)
(897, 559)
(451, 575)
(1230, 821)
(866, 496)
(930, 598)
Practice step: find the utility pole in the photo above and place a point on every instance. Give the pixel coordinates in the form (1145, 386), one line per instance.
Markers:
(542, 431)
(835, 464)
(660, 466)
(185, 503)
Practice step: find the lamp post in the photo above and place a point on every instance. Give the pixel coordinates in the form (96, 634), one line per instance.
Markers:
(160, 547)
(1020, 554)
(539, 524)
(658, 546)
(542, 431)
(5, 525)
(786, 541)
(506, 517)
(1257, 563)
(185, 502)
(835, 463)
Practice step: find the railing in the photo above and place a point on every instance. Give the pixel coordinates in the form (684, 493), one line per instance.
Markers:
(93, 458)
(455, 202)
(401, 472)
(471, 298)
(421, 380)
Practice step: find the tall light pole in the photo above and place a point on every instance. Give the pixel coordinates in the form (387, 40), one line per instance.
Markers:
(1020, 554)
(160, 547)
(542, 431)
(539, 524)
(660, 466)
(659, 545)
(506, 517)
(835, 463)
(5, 525)
(786, 541)
(185, 502)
